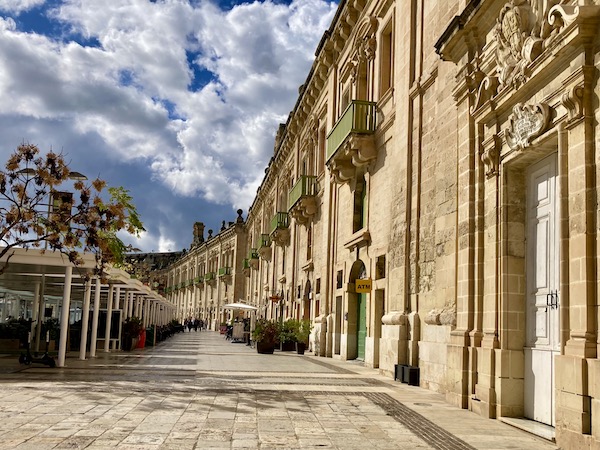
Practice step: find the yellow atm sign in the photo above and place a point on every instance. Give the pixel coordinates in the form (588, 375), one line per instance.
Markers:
(363, 286)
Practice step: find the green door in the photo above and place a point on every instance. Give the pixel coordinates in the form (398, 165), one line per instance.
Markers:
(361, 325)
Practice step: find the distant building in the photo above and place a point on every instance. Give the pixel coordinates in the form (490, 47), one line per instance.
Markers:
(208, 276)
(151, 268)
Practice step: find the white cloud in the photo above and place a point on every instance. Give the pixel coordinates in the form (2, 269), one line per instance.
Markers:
(130, 92)
(19, 6)
(152, 242)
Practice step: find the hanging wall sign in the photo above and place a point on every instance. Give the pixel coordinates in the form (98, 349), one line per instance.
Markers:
(363, 286)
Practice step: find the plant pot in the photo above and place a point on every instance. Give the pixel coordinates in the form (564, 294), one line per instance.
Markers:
(300, 348)
(141, 340)
(265, 347)
(130, 343)
(288, 346)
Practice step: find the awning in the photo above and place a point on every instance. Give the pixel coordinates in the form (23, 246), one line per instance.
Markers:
(242, 306)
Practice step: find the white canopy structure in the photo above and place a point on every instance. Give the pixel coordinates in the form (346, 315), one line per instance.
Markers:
(45, 274)
(241, 306)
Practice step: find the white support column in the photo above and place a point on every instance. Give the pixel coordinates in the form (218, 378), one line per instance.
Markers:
(146, 311)
(35, 308)
(85, 319)
(64, 317)
(94, 337)
(138, 307)
(117, 297)
(109, 308)
(126, 304)
(116, 307)
(130, 304)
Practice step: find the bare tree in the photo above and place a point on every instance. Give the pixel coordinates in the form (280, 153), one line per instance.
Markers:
(35, 212)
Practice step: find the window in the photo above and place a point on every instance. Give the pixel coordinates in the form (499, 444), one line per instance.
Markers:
(386, 61)
(340, 279)
(345, 101)
(318, 286)
(360, 204)
(309, 243)
(321, 149)
(380, 267)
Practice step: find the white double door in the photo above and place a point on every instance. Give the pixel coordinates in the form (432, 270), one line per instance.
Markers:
(543, 296)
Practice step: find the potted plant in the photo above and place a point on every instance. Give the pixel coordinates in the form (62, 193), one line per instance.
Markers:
(302, 334)
(132, 327)
(287, 335)
(50, 333)
(265, 334)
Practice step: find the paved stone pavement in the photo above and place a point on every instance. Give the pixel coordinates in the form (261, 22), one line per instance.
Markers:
(199, 391)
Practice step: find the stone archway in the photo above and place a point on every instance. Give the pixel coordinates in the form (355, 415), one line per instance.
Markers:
(356, 314)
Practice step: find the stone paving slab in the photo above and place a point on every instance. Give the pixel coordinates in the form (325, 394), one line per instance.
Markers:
(199, 391)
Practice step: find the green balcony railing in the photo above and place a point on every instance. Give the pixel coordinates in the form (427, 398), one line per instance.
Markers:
(359, 117)
(190, 282)
(253, 254)
(305, 186)
(224, 271)
(265, 240)
(209, 276)
(246, 263)
(280, 220)
(198, 280)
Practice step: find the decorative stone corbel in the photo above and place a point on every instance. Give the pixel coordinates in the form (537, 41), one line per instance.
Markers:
(526, 123)
(487, 90)
(572, 100)
(342, 171)
(490, 153)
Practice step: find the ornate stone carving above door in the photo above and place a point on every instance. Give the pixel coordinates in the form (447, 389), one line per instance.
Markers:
(518, 41)
(526, 123)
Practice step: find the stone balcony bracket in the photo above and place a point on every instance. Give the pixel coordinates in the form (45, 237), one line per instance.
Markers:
(357, 151)
(281, 237)
(304, 210)
(266, 253)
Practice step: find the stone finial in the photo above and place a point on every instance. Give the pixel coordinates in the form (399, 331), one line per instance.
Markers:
(223, 227)
(210, 232)
(239, 219)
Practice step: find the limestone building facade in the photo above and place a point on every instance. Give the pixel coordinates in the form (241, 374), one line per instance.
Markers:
(209, 275)
(446, 154)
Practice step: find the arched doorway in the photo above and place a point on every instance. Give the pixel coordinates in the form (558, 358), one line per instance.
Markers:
(307, 301)
(358, 309)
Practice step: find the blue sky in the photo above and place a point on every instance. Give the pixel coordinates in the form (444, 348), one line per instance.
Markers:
(176, 100)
